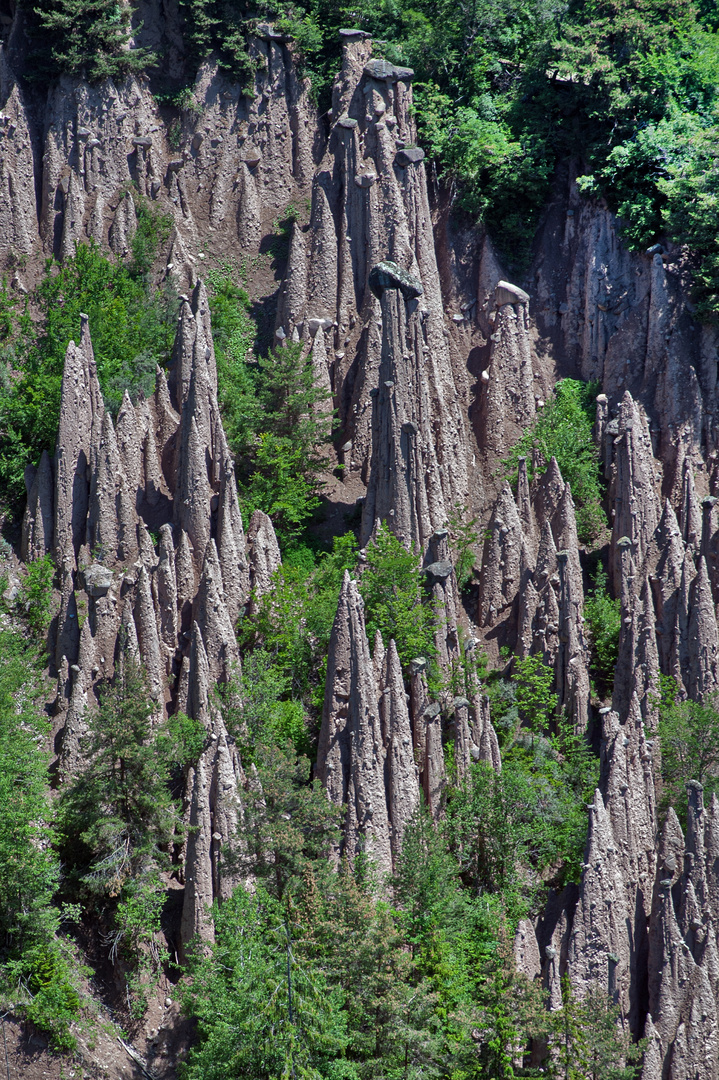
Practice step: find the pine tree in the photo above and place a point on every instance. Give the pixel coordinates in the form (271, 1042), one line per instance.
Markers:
(82, 37)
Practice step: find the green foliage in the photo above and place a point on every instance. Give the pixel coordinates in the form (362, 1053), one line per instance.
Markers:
(234, 334)
(280, 471)
(603, 619)
(691, 212)
(463, 537)
(503, 91)
(219, 26)
(425, 986)
(117, 819)
(290, 825)
(132, 331)
(689, 737)
(35, 595)
(293, 624)
(117, 815)
(589, 1040)
(28, 869)
(50, 972)
(515, 830)
(392, 589)
(264, 1009)
(153, 230)
(563, 430)
(36, 966)
(527, 825)
(269, 713)
(278, 421)
(535, 699)
(280, 481)
(182, 740)
(82, 37)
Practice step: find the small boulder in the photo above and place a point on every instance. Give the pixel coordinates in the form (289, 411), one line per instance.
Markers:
(97, 579)
(409, 155)
(388, 275)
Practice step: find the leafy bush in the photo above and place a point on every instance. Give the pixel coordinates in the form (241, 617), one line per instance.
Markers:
(292, 625)
(689, 738)
(548, 776)
(463, 537)
(604, 620)
(392, 589)
(564, 430)
(183, 739)
(153, 230)
(534, 694)
(35, 595)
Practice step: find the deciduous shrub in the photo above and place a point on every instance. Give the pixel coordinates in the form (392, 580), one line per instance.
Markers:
(563, 429)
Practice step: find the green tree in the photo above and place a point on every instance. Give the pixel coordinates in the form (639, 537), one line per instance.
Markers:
(534, 694)
(37, 968)
(117, 820)
(603, 618)
(689, 738)
(263, 1008)
(82, 37)
(289, 823)
(590, 1041)
(392, 589)
(281, 469)
(564, 430)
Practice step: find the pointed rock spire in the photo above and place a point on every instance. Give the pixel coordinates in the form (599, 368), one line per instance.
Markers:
(636, 504)
(112, 522)
(703, 653)
(600, 948)
(212, 617)
(691, 515)
(147, 635)
(500, 574)
(164, 585)
(442, 581)
(263, 554)
(404, 488)
(80, 404)
(351, 755)
(37, 522)
(403, 783)
(231, 543)
(507, 404)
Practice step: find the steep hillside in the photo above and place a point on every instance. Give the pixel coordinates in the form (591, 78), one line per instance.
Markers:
(370, 591)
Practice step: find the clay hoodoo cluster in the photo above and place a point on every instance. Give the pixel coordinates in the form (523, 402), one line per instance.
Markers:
(168, 600)
(240, 157)
(141, 514)
(380, 746)
(364, 288)
(643, 924)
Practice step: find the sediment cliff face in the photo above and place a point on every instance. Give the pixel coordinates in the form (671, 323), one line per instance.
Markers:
(141, 514)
